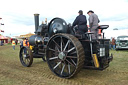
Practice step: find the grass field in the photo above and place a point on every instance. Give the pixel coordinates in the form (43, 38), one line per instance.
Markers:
(13, 73)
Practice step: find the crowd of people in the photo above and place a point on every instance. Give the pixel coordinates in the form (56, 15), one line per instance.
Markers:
(22, 43)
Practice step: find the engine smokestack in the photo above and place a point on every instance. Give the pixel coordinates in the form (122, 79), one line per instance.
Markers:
(36, 17)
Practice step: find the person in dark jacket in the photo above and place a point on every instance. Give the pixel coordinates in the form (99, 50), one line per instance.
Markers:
(81, 22)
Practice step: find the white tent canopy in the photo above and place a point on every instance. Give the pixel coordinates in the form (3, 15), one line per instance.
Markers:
(115, 33)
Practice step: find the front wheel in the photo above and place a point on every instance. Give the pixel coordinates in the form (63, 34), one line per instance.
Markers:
(26, 56)
(65, 55)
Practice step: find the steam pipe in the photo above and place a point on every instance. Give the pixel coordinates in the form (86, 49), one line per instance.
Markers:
(36, 17)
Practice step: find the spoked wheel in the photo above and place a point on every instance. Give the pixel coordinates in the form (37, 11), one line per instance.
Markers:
(26, 56)
(65, 55)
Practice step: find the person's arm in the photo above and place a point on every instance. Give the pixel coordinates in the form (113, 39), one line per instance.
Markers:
(76, 21)
(90, 21)
(98, 20)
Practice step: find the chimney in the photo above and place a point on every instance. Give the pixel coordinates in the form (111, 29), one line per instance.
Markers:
(36, 17)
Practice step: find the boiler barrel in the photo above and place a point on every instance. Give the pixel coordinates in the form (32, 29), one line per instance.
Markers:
(36, 40)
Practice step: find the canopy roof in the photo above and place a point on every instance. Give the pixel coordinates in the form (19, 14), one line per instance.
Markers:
(3, 37)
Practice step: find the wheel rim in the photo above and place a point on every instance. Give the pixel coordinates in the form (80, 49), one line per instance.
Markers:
(26, 56)
(62, 56)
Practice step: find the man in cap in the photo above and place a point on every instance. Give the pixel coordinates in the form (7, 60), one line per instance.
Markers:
(81, 22)
(93, 23)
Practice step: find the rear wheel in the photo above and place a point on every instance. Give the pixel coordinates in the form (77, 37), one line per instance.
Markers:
(65, 55)
(26, 56)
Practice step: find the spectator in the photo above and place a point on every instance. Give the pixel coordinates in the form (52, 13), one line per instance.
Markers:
(16, 41)
(0, 43)
(13, 44)
(21, 44)
(113, 43)
(25, 43)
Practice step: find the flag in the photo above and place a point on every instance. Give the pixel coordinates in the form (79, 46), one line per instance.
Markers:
(2, 24)
(2, 30)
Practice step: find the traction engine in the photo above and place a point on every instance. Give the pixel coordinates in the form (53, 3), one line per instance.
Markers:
(65, 51)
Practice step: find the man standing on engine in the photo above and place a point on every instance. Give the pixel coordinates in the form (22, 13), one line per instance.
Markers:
(81, 22)
(93, 23)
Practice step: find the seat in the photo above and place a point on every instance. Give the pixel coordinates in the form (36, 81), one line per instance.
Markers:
(103, 27)
(89, 33)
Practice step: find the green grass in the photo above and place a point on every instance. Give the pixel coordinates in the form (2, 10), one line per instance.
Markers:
(120, 60)
(13, 73)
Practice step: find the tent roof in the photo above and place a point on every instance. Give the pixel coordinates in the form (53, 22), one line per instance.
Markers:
(3, 37)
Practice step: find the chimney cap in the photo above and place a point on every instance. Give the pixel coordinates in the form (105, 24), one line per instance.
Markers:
(36, 14)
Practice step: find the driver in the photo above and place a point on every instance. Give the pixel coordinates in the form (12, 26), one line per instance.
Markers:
(81, 22)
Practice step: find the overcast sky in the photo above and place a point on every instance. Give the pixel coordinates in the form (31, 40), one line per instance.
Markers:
(17, 15)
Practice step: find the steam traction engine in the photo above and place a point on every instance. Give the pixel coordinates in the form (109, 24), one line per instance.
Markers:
(65, 51)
